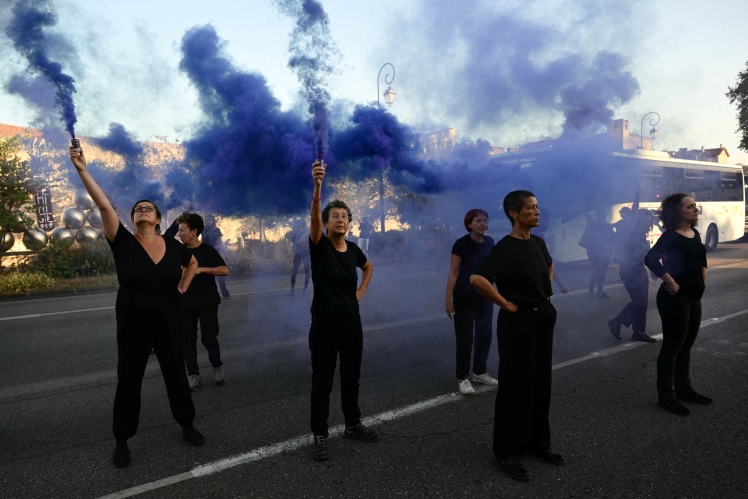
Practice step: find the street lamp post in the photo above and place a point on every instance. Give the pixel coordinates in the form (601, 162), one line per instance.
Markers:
(389, 94)
(652, 132)
(389, 99)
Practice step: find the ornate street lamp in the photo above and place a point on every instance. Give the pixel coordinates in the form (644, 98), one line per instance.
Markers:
(653, 135)
(389, 94)
(389, 99)
(653, 132)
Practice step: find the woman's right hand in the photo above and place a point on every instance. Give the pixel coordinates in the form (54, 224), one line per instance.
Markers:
(78, 159)
(672, 287)
(318, 173)
(510, 307)
(450, 309)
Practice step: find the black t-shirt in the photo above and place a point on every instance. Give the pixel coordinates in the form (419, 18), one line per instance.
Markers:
(683, 258)
(520, 268)
(365, 230)
(471, 255)
(144, 285)
(203, 291)
(212, 236)
(334, 277)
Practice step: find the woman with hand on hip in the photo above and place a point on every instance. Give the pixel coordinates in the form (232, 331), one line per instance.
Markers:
(679, 259)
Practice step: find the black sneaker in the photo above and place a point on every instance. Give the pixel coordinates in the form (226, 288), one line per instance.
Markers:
(691, 395)
(121, 456)
(674, 407)
(615, 328)
(361, 432)
(321, 453)
(637, 336)
(193, 436)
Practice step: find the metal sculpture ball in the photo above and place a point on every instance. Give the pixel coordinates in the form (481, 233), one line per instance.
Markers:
(94, 218)
(62, 237)
(87, 235)
(35, 239)
(73, 218)
(7, 242)
(83, 200)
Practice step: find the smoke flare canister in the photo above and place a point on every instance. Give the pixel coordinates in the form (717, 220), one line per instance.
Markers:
(76, 143)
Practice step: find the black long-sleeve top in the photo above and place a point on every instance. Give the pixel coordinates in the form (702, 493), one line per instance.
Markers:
(683, 258)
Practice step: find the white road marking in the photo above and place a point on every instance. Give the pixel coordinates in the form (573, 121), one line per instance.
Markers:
(297, 442)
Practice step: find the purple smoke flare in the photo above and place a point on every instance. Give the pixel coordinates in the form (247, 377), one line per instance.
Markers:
(26, 30)
(312, 52)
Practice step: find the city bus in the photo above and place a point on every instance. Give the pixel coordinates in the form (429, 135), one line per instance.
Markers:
(572, 182)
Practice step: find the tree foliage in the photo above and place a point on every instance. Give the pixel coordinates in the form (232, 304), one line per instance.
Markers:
(16, 189)
(739, 95)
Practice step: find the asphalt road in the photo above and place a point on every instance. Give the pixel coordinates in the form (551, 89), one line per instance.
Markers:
(58, 375)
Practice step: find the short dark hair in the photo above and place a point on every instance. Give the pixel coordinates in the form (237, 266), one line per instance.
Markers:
(155, 206)
(470, 215)
(335, 203)
(193, 221)
(669, 209)
(514, 201)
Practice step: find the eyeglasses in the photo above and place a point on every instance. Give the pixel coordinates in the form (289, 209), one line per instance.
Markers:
(146, 209)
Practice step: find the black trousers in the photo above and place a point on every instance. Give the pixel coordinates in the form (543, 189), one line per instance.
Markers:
(680, 326)
(298, 259)
(472, 319)
(330, 336)
(137, 334)
(524, 397)
(634, 314)
(208, 318)
(222, 284)
(599, 265)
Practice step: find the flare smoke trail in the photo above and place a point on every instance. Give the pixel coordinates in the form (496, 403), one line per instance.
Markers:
(312, 52)
(26, 30)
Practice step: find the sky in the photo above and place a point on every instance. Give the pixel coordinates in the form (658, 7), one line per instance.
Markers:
(506, 72)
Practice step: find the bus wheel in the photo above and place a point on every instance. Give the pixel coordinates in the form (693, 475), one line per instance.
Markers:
(712, 238)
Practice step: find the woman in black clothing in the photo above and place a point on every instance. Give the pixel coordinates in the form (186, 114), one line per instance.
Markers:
(471, 312)
(522, 270)
(152, 273)
(599, 251)
(336, 323)
(679, 259)
(631, 232)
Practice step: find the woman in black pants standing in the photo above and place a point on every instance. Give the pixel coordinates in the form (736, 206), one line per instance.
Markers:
(471, 312)
(679, 259)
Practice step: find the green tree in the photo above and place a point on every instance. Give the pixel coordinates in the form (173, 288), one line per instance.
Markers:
(16, 190)
(739, 95)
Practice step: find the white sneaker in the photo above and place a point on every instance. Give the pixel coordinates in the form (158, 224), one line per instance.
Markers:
(219, 376)
(466, 388)
(485, 379)
(194, 381)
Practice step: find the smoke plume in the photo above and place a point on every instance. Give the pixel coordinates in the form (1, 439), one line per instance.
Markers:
(312, 54)
(27, 31)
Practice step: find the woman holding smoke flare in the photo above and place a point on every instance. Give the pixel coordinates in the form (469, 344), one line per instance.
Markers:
(679, 259)
(471, 312)
(336, 323)
(152, 273)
